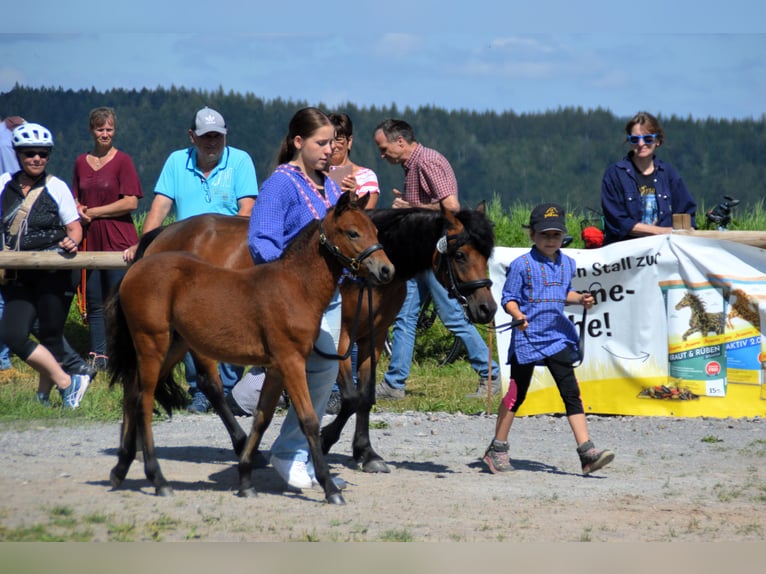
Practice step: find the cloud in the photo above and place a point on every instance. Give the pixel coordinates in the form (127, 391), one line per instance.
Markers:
(399, 46)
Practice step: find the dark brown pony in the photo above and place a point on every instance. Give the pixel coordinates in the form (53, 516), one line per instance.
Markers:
(278, 306)
(410, 238)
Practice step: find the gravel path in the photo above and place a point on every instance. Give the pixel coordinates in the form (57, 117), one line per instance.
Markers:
(695, 480)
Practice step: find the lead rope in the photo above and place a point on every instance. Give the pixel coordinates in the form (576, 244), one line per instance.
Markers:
(82, 303)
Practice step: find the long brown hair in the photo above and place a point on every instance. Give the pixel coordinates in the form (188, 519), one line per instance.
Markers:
(303, 123)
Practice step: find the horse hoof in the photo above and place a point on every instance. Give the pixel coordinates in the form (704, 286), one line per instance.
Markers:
(247, 493)
(166, 490)
(336, 498)
(375, 465)
(115, 478)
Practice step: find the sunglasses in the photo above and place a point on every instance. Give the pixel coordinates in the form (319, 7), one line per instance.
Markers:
(30, 154)
(649, 139)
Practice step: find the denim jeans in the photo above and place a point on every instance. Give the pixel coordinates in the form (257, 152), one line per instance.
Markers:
(229, 373)
(98, 286)
(291, 444)
(451, 314)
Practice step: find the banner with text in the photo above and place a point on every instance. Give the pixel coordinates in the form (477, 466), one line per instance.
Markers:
(676, 329)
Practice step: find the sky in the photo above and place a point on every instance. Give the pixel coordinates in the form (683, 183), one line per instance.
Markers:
(688, 58)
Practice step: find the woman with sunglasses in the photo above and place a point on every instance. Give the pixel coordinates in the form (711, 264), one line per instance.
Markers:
(38, 214)
(640, 193)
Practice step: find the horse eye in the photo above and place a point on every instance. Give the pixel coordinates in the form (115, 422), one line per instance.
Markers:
(459, 256)
(353, 234)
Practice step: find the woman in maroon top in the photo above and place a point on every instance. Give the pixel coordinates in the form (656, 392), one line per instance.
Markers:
(107, 190)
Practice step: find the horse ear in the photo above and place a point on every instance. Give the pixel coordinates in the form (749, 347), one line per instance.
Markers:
(449, 217)
(482, 207)
(343, 202)
(362, 201)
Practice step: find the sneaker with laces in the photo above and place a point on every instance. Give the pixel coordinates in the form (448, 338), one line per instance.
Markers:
(199, 404)
(333, 405)
(72, 395)
(293, 472)
(481, 390)
(592, 458)
(496, 457)
(385, 391)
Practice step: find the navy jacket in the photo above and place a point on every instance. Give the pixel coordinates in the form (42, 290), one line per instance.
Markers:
(621, 200)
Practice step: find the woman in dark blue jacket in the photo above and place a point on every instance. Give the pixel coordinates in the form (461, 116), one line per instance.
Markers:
(640, 193)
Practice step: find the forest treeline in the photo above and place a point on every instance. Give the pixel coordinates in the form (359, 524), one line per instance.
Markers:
(514, 158)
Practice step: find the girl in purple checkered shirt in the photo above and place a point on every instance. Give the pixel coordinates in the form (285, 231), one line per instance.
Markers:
(537, 287)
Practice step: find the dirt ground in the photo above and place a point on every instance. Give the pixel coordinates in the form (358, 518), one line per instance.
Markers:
(694, 480)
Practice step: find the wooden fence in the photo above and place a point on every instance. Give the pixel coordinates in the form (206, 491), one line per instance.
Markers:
(56, 260)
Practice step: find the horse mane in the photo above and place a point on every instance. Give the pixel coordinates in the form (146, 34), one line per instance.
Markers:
(480, 230)
(301, 241)
(409, 235)
(146, 239)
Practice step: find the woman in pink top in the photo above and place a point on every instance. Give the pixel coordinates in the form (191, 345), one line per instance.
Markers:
(364, 179)
(107, 189)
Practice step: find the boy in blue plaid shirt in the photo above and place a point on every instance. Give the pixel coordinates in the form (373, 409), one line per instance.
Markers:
(537, 287)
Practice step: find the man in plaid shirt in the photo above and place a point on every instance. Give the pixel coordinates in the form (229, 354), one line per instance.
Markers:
(429, 182)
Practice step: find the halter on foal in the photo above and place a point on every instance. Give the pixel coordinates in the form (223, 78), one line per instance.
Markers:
(279, 305)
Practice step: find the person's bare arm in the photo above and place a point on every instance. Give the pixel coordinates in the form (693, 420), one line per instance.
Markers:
(117, 208)
(644, 229)
(450, 202)
(161, 206)
(245, 206)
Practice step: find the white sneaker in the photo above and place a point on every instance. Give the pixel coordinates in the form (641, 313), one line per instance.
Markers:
(293, 472)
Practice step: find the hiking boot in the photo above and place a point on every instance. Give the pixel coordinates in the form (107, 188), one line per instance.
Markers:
(333, 405)
(199, 404)
(72, 395)
(496, 457)
(481, 390)
(386, 391)
(593, 459)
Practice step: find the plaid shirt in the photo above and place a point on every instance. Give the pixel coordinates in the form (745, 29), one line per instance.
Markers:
(540, 286)
(428, 177)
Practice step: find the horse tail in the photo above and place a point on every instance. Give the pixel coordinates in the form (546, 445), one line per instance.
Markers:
(119, 344)
(123, 359)
(170, 394)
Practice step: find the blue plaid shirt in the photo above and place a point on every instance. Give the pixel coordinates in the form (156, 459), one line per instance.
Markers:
(281, 212)
(540, 286)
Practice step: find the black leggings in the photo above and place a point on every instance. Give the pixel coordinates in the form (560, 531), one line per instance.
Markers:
(33, 295)
(560, 367)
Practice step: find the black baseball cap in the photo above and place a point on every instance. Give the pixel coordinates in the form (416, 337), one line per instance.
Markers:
(548, 217)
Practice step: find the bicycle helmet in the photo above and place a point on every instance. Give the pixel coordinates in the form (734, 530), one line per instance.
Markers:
(32, 135)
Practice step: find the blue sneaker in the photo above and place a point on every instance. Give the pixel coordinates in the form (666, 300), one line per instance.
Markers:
(73, 394)
(43, 399)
